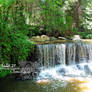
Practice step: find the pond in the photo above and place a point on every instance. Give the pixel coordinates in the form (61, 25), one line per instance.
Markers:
(66, 85)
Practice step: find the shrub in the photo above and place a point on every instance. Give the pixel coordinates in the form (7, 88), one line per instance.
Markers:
(16, 49)
(89, 36)
(20, 46)
(4, 72)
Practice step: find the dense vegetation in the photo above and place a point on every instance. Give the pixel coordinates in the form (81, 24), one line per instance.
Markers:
(22, 19)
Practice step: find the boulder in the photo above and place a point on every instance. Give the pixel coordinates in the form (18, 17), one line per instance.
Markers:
(35, 38)
(40, 38)
(44, 38)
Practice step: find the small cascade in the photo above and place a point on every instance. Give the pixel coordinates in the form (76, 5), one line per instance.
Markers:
(78, 53)
(71, 54)
(64, 54)
(51, 54)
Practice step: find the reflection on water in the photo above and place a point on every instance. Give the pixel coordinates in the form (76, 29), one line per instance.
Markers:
(78, 85)
(68, 85)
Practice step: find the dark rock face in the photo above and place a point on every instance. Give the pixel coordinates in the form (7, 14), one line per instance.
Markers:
(28, 70)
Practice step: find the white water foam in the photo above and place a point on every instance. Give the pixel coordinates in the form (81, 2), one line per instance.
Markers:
(60, 71)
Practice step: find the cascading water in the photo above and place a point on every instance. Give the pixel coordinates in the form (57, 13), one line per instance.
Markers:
(66, 59)
(51, 54)
(68, 63)
(66, 53)
(78, 53)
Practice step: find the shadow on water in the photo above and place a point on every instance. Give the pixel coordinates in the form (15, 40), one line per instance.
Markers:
(9, 85)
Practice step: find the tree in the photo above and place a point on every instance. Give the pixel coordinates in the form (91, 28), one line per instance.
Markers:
(13, 32)
(87, 15)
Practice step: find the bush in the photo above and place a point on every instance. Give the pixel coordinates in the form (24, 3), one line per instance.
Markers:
(83, 34)
(89, 36)
(35, 30)
(20, 46)
(4, 72)
(16, 49)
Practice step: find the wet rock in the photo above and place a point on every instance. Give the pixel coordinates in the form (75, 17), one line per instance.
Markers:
(63, 71)
(79, 67)
(87, 69)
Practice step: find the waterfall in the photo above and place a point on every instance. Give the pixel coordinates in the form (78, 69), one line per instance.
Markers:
(64, 60)
(64, 53)
(51, 54)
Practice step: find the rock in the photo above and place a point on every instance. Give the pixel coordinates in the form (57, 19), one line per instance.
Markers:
(22, 63)
(44, 38)
(62, 38)
(27, 70)
(35, 38)
(40, 38)
(62, 71)
(53, 38)
(76, 38)
(87, 69)
(79, 67)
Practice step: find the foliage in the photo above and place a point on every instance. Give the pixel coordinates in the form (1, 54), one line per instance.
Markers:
(20, 46)
(87, 15)
(4, 72)
(14, 43)
(89, 36)
(83, 34)
(53, 18)
(60, 17)
(35, 30)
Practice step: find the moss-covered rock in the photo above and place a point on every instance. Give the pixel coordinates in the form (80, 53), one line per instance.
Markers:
(40, 38)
